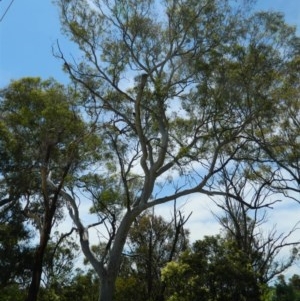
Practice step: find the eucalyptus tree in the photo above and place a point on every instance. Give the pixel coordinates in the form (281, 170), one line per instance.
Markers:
(41, 131)
(170, 87)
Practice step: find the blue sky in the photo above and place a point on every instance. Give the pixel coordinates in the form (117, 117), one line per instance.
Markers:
(30, 29)
(27, 33)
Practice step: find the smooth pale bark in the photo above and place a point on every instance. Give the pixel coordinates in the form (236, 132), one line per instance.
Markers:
(107, 288)
(108, 279)
(107, 273)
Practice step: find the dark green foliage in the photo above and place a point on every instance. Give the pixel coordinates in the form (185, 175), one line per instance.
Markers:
(12, 293)
(42, 135)
(287, 291)
(214, 269)
(81, 287)
(16, 253)
(84, 287)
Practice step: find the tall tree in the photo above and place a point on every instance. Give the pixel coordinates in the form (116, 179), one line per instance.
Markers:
(41, 131)
(170, 85)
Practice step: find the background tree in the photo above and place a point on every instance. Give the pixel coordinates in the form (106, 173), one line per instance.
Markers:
(244, 222)
(152, 242)
(41, 130)
(239, 263)
(58, 264)
(170, 93)
(286, 291)
(83, 287)
(214, 269)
